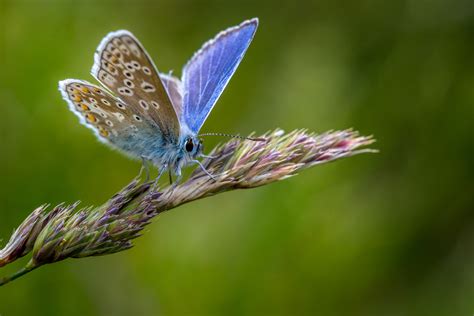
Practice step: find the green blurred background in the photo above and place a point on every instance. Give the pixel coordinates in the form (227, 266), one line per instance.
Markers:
(385, 234)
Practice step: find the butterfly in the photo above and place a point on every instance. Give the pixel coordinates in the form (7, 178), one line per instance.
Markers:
(150, 115)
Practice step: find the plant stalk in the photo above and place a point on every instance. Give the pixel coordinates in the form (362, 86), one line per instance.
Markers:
(28, 268)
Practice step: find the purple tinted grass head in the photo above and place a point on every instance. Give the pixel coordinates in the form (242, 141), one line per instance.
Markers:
(70, 232)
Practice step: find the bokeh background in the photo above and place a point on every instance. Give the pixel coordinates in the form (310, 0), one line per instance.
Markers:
(384, 234)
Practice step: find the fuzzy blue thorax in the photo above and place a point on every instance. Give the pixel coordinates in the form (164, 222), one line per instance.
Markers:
(173, 155)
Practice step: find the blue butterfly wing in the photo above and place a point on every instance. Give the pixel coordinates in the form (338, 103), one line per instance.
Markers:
(207, 73)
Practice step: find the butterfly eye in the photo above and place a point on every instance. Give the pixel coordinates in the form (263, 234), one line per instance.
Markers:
(189, 145)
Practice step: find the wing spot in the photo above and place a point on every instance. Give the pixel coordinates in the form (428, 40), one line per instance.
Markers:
(105, 101)
(130, 67)
(125, 91)
(103, 132)
(91, 118)
(98, 91)
(119, 116)
(124, 49)
(137, 118)
(92, 100)
(114, 60)
(128, 74)
(135, 50)
(155, 104)
(120, 105)
(112, 70)
(108, 79)
(143, 104)
(135, 64)
(146, 70)
(84, 107)
(109, 123)
(129, 83)
(76, 98)
(147, 87)
(109, 67)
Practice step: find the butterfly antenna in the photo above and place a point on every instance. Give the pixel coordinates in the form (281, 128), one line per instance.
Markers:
(255, 139)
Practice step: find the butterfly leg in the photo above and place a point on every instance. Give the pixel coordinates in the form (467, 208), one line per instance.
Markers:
(179, 176)
(145, 167)
(207, 156)
(160, 173)
(204, 169)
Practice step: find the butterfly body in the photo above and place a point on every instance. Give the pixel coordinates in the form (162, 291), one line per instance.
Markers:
(175, 156)
(149, 115)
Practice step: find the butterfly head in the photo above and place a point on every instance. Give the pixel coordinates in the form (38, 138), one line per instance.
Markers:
(192, 146)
